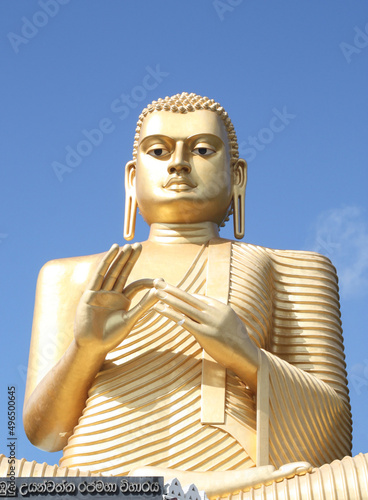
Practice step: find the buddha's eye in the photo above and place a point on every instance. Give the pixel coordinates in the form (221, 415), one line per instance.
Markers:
(203, 151)
(158, 152)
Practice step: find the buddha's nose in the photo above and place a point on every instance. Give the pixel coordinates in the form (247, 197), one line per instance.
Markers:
(179, 161)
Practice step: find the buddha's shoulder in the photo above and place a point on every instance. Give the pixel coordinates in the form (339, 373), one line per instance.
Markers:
(283, 258)
(73, 268)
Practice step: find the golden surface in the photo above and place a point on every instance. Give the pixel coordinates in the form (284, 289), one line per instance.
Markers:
(228, 366)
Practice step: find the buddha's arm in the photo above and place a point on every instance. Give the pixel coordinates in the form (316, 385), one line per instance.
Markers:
(55, 401)
(307, 330)
(53, 409)
(309, 403)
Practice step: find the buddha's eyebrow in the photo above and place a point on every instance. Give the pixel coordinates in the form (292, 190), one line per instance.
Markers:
(172, 139)
(157, 137)
(204, 135)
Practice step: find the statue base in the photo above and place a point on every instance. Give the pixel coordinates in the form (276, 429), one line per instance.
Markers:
(345, 479)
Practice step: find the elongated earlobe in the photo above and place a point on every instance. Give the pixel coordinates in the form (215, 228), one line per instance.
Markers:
(130, 201)
(240, 182)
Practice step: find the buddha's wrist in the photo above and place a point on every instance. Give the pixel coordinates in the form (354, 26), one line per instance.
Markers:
(88, 353)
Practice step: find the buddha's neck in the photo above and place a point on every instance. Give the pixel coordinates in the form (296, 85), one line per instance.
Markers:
(198, 233)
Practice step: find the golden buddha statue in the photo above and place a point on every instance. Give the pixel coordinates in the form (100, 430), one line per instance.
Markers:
(217, 362)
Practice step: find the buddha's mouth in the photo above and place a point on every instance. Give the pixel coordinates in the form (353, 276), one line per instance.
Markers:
(179, 183)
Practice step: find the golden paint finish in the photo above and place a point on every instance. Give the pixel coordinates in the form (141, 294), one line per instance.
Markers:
(189, 356)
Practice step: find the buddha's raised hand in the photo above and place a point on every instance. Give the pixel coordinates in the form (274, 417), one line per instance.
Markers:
(103, 318)
(216, 327)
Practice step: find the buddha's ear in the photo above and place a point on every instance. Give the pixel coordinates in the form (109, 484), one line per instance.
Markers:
(240, 173)
(239, 185)
(130, 201)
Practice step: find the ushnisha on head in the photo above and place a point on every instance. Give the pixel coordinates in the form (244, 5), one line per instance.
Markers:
(186, 166)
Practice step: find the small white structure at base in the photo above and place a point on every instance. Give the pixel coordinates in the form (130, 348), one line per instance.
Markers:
(173, 489)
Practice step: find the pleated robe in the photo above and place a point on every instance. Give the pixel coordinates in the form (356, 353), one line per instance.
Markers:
(144, 407)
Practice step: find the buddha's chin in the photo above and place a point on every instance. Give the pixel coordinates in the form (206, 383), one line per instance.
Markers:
(183, 207)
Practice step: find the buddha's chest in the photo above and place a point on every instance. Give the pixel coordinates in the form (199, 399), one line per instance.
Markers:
(171, 263)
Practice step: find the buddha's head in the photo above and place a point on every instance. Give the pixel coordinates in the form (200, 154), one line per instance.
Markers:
(186, 167)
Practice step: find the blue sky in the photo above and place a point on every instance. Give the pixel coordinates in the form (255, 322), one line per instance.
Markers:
(70, 67)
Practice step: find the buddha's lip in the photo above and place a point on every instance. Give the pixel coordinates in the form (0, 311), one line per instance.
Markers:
(178, 180)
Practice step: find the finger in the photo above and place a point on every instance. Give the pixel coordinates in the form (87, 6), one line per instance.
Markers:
(137, 286)
(177, 317)
(207, 300)
(148, 300)
(192, 300)
(181, 306)
(98, 277)
(296, 468)
(116, 268)
(124, 274)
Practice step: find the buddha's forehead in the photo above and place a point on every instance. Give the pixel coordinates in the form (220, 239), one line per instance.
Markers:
(180, 126)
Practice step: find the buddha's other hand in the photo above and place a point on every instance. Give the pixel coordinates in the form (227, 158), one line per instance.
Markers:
(103, 318)
(216, 327)
(218, 483)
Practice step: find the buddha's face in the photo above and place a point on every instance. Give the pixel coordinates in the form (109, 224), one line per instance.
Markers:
(183, 170)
